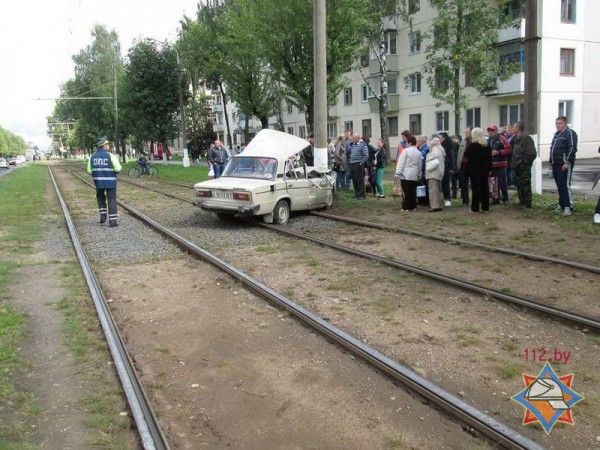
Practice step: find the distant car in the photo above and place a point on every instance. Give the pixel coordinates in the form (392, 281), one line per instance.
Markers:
(3, 163)
(13, 161)
(21, 159)
(265, 181)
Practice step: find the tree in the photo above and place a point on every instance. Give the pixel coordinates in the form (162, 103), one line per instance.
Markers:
(94, 77)
(286, 35)
(150, 92)
(462, 40)
(250, 80)
(202, 50)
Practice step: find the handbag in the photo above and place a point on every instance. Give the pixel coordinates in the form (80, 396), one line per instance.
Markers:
(432, 164)
(211, 173)
(397, 190)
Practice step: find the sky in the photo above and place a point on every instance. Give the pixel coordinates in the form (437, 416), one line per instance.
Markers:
(39, 37)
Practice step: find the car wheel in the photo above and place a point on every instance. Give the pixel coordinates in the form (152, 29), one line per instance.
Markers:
(281, 213)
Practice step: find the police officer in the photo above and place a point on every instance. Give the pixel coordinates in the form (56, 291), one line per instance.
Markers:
(104, 167)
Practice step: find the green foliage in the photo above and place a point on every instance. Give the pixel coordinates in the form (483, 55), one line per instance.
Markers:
(95, 67)
(11, 144)
(151, 100)
(250, 80)
(462, 41)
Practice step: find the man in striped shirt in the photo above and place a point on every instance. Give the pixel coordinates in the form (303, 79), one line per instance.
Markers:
(359, 155)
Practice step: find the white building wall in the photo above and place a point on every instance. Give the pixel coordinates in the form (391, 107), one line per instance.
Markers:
(583, 88)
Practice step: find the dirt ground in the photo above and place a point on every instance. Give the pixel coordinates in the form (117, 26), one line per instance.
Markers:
(227, 370)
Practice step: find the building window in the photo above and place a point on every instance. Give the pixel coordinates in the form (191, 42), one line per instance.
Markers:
(366, 128)
(290, 130)
(302, 131)
(414, 83)
(392, 85)
(289, 107)
(364, 59)
(348, 126)
(511, 53)
(364, 93)
(567, 10)
(348, 97)
(414, 42)
(473, 117)
(392, 48)
(442, 120)
(470, 72)
(510, 114)
(442, 81)
(567, 61)
(565, 108)
(332, 129)
(414, 124)
(514, 9)
(393, 126)
(414, 6)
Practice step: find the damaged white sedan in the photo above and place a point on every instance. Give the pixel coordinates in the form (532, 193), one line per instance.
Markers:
(265, 180)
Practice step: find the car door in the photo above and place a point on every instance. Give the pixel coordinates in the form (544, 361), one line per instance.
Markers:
(297, 186)
(320, 189)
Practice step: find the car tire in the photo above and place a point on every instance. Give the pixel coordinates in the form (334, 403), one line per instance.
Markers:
(281, 213)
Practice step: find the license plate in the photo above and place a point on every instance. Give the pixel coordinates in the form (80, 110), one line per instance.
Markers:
(222, 194)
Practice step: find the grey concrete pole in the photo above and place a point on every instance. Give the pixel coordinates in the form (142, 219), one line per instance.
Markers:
(186, 158)
(320, 83)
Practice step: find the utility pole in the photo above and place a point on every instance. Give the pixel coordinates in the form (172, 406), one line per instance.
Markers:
(531, 68)
(320, 84)
(117, 146)
(530, 113)
(186, 158)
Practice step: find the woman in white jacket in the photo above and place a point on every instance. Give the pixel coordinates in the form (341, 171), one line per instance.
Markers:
(434, 172)
(408, 171)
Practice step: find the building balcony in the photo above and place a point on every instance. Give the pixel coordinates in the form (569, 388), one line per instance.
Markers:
(217, 107)
(514, 85)
(393, 103)
(392, 63)
(218, 127)
(512, 34)
(333, 112)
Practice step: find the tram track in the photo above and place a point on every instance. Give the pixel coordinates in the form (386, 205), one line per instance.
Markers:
(559, 313)
(448, 402)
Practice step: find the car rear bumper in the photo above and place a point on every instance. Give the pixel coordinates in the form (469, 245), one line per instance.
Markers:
(246, 210)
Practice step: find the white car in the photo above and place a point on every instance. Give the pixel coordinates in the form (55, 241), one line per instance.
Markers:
(20, 160)
(265, 181)
(3, 163)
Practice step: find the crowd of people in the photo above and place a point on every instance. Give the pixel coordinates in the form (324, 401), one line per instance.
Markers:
(479, 167)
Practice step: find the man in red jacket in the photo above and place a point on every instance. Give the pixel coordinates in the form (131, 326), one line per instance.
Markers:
(501, 150)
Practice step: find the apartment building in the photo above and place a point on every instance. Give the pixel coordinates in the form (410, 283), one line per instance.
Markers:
(568, 81)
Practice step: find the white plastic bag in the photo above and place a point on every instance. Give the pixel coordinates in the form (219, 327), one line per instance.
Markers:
(211, 173)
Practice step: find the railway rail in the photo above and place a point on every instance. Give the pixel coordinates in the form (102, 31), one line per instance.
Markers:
(453, 405)
(559, 313)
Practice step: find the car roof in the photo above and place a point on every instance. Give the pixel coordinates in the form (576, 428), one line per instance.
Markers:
(274, 144)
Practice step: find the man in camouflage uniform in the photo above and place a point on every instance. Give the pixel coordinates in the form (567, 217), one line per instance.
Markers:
(524, 153)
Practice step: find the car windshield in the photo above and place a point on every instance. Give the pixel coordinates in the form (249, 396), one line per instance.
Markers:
(251, 167)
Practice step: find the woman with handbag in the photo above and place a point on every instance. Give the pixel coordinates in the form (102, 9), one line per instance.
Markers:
(408, 171)
(434, 173)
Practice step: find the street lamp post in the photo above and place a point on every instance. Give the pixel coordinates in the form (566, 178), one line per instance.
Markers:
(186, 158)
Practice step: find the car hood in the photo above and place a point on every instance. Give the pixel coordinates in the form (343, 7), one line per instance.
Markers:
(225, 183)
(275, 144)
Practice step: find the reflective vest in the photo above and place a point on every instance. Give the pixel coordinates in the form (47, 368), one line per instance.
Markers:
(104, 167)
